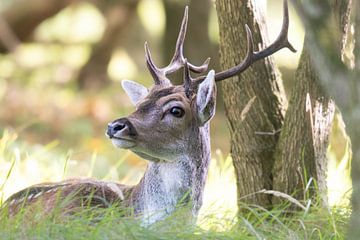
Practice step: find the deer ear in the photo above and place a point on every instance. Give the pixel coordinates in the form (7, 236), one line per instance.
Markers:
(134, 90)
(206, 98)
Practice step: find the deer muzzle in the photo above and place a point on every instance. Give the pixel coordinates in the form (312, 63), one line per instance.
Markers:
(122, 133)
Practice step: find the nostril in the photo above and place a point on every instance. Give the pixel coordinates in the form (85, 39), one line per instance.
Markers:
(119, 127)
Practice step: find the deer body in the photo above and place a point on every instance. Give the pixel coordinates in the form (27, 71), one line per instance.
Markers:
(176, 171)
(169, 128)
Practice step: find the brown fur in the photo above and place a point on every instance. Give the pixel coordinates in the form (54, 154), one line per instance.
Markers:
(70, 196)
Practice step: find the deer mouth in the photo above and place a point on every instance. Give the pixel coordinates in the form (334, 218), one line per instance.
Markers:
(123, 142)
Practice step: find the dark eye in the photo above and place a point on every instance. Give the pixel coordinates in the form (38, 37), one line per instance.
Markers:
(177, 112)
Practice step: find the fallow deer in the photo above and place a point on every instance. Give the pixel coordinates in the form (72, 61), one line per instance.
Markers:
(169, 128)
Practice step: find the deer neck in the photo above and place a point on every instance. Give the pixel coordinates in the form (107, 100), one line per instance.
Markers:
(165, 185)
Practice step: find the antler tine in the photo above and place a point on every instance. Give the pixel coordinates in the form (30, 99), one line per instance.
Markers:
(251, 56)
(249, 59)
(187, 79)
(156, 73)
(178, 60)
(282, 40)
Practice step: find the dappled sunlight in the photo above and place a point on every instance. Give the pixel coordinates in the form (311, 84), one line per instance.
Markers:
(121, 66)
(21, 165)
(220, 202)
(339, 181)
(213, 27)
(152, 16)
(339, 161)
(75, 55)
(33, 55)
(284, 58)
(79, 23)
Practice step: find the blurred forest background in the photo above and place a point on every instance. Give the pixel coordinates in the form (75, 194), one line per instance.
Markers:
(61, 62)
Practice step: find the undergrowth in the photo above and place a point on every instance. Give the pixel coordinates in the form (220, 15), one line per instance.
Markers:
(257, 224)
(217, 219)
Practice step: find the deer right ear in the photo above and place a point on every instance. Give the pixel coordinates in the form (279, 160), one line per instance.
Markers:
(135, 91)
(205, 99)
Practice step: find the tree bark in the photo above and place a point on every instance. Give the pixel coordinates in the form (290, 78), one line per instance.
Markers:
(254, 100)
(301, 152)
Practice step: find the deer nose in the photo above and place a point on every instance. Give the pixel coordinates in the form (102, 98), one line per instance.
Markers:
(114, 127)
(120, 127)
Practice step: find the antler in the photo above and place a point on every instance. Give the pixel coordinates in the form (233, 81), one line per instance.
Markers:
(251, 56)
(178, 60)
(188, 80)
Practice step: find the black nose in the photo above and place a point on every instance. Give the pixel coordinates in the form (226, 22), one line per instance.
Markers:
(121, 127)
(114, 127)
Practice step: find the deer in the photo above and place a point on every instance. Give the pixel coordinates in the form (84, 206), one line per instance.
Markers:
(170, 128)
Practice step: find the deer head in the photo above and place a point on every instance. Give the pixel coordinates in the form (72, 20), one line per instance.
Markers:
(166, 116)
(167, 113)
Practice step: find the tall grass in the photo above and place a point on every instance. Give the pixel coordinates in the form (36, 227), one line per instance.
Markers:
(217, 218)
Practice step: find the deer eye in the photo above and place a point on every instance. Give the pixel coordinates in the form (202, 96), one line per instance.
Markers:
(177, 112)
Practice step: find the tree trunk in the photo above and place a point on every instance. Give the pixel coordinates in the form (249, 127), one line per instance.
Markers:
(301, 152)
(254, 100)
(335, 77)
(19, 21)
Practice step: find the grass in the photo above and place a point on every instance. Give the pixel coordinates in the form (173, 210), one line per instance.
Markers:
(257, 224)
(217, 218)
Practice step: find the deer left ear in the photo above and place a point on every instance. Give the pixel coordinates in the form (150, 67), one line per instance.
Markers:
(206, 99)
(135, 91)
